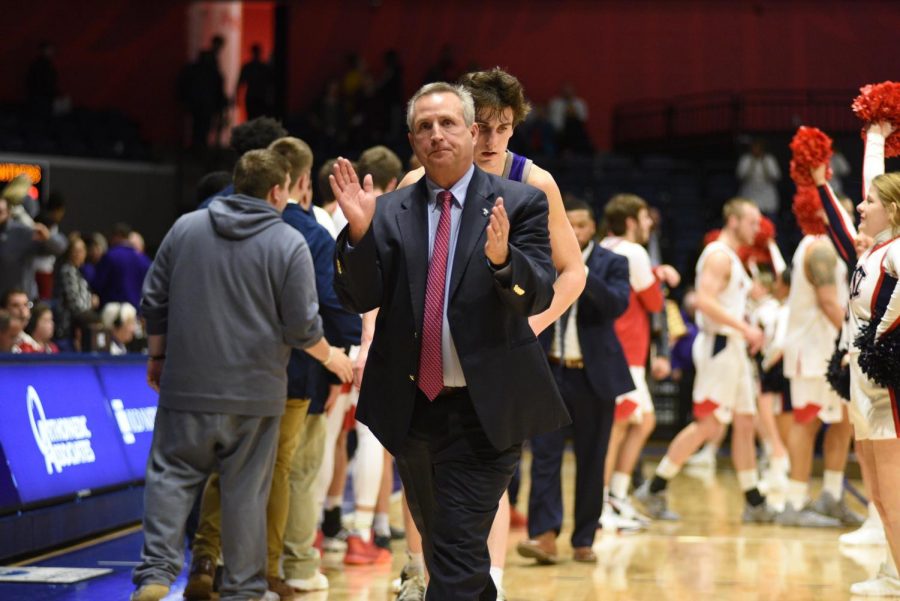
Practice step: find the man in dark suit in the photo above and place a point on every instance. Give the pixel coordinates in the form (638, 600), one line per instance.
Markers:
(591, 371)
(455, 379)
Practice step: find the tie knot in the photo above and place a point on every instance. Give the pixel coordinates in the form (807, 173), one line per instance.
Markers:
(444, 198)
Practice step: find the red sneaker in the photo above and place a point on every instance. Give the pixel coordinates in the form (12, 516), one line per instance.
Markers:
(359, 552)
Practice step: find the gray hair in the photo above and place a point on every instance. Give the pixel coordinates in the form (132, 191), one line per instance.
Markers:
(468, 104)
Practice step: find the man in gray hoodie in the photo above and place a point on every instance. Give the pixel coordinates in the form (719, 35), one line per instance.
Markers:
(232, 289)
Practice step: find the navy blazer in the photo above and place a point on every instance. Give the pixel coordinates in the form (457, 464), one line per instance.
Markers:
(605, 297)
(510, 383)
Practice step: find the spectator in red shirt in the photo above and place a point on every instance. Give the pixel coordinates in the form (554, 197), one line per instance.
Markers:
(40, 328)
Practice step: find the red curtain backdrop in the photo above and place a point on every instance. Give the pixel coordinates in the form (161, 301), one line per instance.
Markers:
(109, 54)
(128, 54)
(612, 51)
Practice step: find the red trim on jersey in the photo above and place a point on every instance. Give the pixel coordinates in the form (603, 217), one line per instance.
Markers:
(705, 408)
(806, 414)
(625, 410)
(894, 410)
(633, 331)
(651, 297)
(893, 326)
(840, 224)
(349, 419)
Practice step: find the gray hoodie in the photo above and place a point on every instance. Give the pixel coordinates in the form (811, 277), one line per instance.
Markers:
(233, 289)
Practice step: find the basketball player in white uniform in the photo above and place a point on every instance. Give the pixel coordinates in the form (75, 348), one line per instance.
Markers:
(816, 313)
(629, 223)
(724, 387)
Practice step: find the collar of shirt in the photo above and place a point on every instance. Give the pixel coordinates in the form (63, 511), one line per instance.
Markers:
(883, 235)
(587, 251)
(458, 190)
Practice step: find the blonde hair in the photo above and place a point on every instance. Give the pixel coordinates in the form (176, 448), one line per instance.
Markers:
(888, 187)
(297, 152)
(114, 315)
(735, 208)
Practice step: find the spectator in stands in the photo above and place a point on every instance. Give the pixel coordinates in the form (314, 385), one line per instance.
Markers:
(136, 240)
(201, 88)
(251, 135)
(51, 216)
(120, 273)
(259, 81)
(19, 244)
(42, 81)
(389, 90)
(120, 320)
(537, 133)
(74, 303)
(758, 173)
(568, 113)
(96, 246)
(445, 68)
(840, 168)
(16, 302)
(10, 328)
(40, 328)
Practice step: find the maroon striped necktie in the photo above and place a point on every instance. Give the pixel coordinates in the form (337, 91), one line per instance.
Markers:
(431, 369)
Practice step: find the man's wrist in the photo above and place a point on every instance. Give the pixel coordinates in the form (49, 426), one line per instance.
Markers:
(499, 266)
(329, 357)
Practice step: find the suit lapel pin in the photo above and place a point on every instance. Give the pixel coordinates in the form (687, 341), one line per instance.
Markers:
(485, 212)
(518, 290)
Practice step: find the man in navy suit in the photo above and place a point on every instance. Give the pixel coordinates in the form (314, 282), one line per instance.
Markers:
(591, 371)
(455, 379)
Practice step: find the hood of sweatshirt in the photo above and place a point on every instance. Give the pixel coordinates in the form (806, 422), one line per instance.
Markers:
(238, 216)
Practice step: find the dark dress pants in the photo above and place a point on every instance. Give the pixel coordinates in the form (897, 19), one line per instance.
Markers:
(453, 479)
(592, 419)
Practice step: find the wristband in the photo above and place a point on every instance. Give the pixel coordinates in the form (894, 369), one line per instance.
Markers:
(157, 358)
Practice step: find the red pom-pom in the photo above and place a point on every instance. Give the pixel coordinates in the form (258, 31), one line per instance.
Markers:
(766, 232)
(881, 102)
(808, 211)
(711, 236)
(810, 147)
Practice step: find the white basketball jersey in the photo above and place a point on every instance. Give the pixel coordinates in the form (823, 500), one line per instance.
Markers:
(733, 298)
(810, 336)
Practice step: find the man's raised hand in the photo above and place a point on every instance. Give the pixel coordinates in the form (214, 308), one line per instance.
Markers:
(497, 246)
(356, 201)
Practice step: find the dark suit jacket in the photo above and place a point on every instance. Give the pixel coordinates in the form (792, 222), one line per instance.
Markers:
(605, 298)
(509, 380)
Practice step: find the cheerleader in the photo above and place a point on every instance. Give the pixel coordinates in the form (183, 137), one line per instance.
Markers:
(874, 332)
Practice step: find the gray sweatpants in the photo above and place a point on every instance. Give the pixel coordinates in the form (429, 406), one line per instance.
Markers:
(186, 447)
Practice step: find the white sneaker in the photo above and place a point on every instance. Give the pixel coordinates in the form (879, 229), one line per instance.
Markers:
(705, 457)
(613, 523)
(625, 509)
(317, 582)
(878, 586)
(871, 532)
